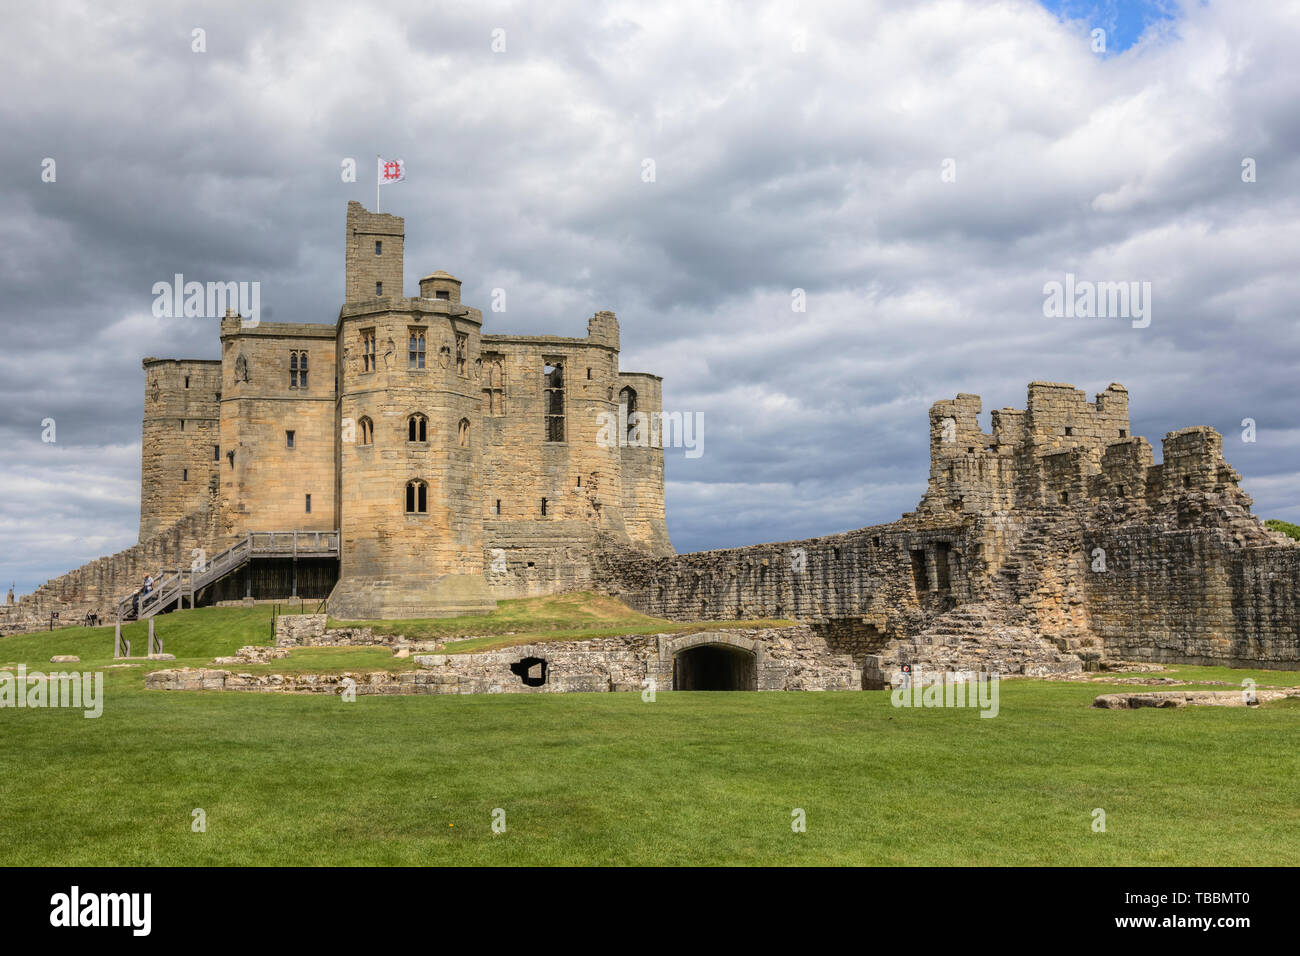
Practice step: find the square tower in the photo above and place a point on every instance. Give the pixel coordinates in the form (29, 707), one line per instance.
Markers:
(373, 266)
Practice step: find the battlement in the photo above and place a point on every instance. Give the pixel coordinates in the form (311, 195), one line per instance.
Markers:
(1062, 449)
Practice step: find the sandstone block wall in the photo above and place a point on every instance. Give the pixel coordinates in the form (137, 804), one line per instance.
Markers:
(99, 585)
(363, 265)
(264, 483)
(398, 562)
(180, 440)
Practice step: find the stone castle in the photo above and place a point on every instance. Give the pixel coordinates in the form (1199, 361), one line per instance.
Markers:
(402, 463)
(404, 426)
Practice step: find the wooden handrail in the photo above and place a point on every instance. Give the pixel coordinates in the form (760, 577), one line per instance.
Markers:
(173, 586)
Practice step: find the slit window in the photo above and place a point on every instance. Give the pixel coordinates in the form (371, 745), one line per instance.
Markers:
(288, 439)
(543, 507)
(309, 504)
(379, 247)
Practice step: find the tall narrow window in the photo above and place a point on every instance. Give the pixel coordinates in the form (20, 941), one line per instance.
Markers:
(498, 506)
(367, 350)
(297, 369)
(553, 392)
(543, 507)
(309, 504)
(366, 428)
(216, 453)
(462, 433)
(379, 247)
(415, 348)
(288, 439)
(187, 381)
(417, 497)
(462, 347)
(185, 474)
(379, 288)
(417, 428)
(494, 389)
(627, 408)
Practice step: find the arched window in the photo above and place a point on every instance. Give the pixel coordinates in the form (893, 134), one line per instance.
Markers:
(366, 430)
(417, 427)
(417, 497)
(462, 434)
(627, 408)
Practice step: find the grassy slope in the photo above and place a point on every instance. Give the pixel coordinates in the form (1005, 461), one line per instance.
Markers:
(607, 778)
(530, 620)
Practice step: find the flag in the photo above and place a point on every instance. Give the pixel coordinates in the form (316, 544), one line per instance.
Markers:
(391, 171)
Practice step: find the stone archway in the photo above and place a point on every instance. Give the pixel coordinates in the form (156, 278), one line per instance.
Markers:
(714, 665)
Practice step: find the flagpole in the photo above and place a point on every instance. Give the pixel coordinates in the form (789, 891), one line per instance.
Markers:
(377, 161)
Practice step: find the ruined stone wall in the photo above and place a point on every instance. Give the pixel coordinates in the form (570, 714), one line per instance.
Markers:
(180, 439)
(264, 483)
(1042, 455)
(101, 584)
(642, 461)
(579, 479)
(1193, 597)
(790, 658)
(888, 577)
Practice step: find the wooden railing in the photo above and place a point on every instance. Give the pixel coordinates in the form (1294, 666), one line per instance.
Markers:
(172, 587)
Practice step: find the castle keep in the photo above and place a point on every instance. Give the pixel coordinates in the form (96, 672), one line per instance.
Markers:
(401, 462)
(423, 441)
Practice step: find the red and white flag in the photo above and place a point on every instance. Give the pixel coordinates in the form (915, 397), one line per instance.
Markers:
(391, 171)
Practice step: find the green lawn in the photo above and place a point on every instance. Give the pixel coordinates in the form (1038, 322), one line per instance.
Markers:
(609, 779)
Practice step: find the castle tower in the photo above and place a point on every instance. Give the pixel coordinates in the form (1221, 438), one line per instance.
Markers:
(410, 508)
(375, 241)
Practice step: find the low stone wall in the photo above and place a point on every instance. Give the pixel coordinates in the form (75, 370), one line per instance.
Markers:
(309, 630)
(790, 658)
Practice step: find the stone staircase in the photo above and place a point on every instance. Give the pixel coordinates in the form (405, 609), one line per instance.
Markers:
(988, 638)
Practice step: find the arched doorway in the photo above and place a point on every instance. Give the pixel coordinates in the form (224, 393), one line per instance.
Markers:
(715, 667)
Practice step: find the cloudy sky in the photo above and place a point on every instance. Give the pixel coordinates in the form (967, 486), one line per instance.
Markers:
(919, 169)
